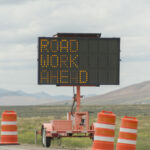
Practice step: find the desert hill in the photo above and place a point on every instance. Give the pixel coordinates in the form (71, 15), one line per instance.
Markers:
(21, 98)
(134, 94)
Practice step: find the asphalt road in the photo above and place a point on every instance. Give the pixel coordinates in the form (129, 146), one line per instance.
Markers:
(33, 147)
(27, 147)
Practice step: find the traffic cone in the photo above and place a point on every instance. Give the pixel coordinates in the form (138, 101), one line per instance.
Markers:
(105, 131)
(128, 134)
(9, 133)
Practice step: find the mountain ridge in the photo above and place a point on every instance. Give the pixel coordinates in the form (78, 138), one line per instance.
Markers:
(138, 93)
(44, 95)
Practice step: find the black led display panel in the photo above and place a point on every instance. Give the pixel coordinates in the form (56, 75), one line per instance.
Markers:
(78, 61)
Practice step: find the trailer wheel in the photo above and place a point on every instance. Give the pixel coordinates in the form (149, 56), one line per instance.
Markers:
(46, 141)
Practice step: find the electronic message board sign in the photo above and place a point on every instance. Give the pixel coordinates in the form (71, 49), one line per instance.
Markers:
(78, 61)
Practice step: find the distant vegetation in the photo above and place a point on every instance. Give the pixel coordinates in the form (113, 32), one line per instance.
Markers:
(59, 111)
(31, 117)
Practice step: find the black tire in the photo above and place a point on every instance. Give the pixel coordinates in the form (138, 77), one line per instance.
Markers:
(46, 141)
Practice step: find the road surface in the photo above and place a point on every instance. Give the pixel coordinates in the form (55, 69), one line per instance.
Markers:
(32, 147)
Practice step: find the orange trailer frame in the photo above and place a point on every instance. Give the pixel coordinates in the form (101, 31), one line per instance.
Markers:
(76, 125)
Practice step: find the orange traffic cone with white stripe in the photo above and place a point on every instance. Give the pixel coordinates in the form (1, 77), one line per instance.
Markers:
(105, 131)
(9, 134)
(128, 134)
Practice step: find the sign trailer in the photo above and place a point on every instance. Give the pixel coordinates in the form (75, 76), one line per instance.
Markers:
(76, 59)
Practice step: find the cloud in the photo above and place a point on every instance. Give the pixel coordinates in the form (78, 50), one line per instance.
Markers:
(13, 2)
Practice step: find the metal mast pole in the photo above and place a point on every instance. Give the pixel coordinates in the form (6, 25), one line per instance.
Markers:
(78, 98)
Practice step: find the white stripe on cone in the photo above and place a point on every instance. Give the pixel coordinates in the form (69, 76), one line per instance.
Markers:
(128, 130)
(9, 133)
(126, 141)
(9, 123)
(103, 138)
(105, 126)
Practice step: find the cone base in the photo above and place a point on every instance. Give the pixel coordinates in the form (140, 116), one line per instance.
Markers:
(102, 145)
(121, 146)
(9, 144)
(9, 139)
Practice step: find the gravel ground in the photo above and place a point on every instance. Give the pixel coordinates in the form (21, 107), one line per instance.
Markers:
(32, 147)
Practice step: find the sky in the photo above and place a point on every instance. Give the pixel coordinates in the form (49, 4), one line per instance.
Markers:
(22, 21)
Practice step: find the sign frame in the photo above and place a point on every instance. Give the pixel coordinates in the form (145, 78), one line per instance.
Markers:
(79, 38)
